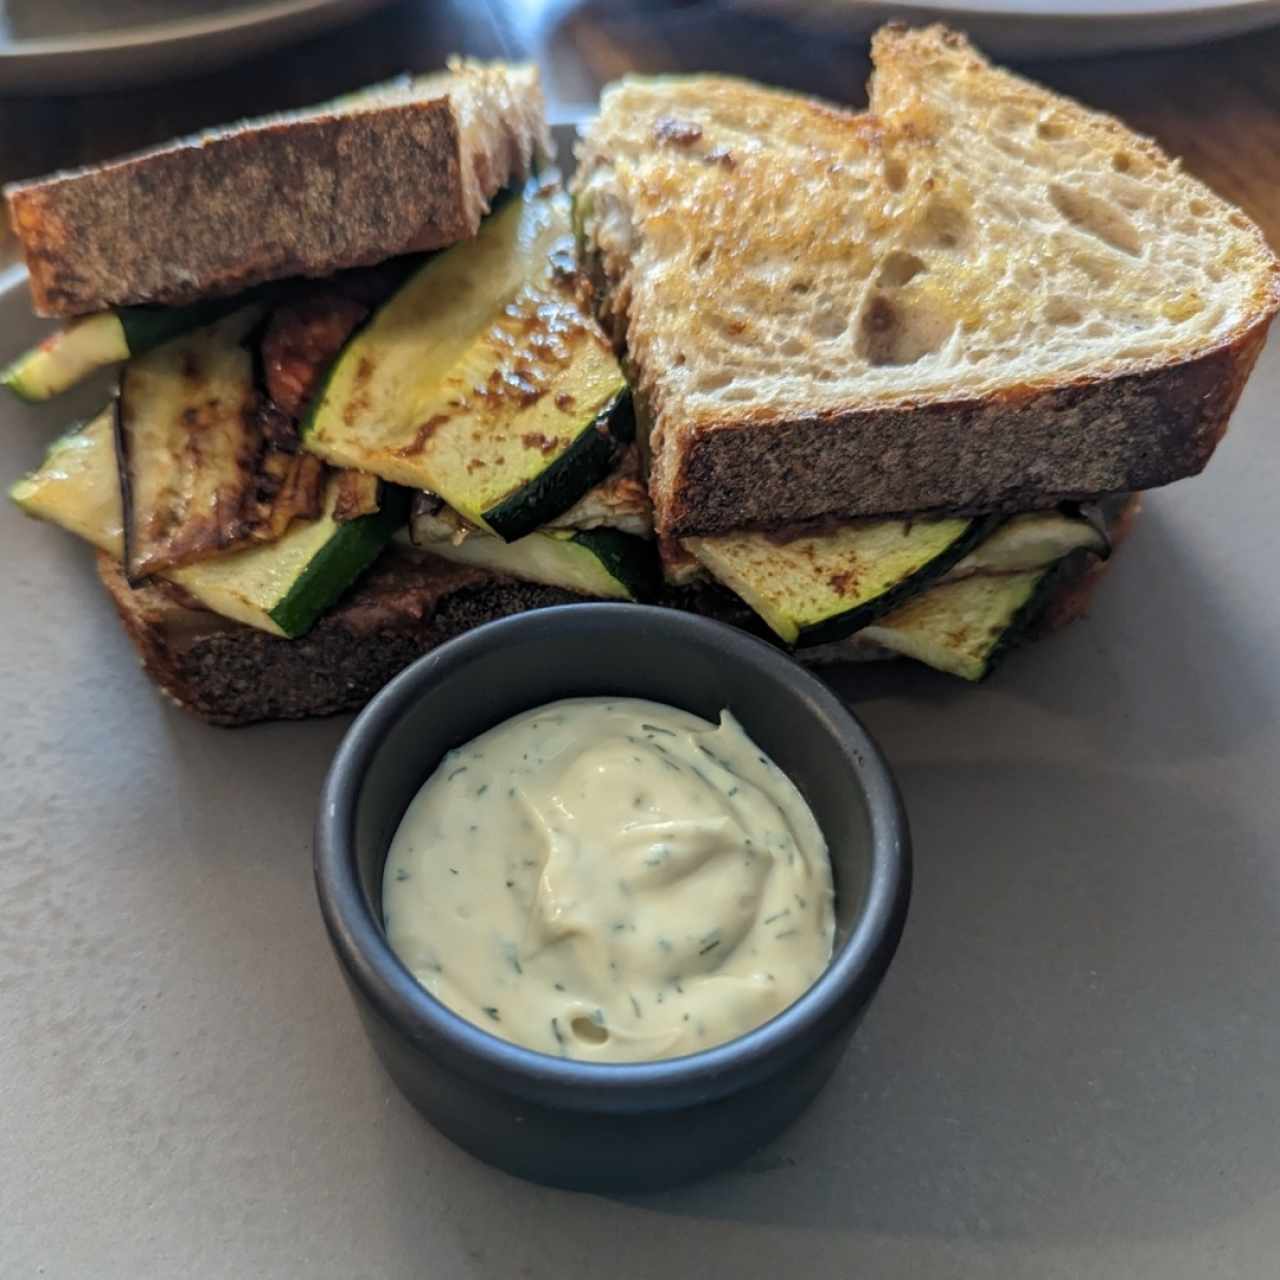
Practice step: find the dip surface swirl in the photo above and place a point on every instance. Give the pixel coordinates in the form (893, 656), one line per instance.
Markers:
(612, 880)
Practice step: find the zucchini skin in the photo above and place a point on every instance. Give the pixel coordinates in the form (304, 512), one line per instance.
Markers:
(1022, 625)
(631, 560)
(582, 466)
(351, 550)
(842, 625)
(148, 327)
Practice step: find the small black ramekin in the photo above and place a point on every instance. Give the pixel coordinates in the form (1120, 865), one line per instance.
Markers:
(588, 1125)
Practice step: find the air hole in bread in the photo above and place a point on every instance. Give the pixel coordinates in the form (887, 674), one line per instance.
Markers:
(1099, 271)
(829, 321)
(735, 330)
(792, 346)
(704, 256)
(1096, 217)
(1011, 119)
(1122, 162)
(1061, 311)
(739, 393)
(713, 380)
(1199, 208)
(946, 222)
(800, 287)
(895, 173)
(891, 333)
(899, 268)
(1015, 150)
(1097, 329)
(1051, 130)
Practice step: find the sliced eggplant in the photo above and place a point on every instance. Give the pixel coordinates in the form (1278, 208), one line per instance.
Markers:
(963, 627)
(482, 379)
(821, 586)
(281, 587)
(206, 464)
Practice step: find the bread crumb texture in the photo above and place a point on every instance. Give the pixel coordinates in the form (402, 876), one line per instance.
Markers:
(769, 258)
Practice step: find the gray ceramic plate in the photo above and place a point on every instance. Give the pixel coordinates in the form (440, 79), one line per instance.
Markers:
(64, 45)
(1070, 1070)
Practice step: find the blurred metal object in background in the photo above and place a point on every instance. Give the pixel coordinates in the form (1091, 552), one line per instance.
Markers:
(59, 46)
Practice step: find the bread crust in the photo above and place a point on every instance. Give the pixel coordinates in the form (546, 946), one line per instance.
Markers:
(1028, 448)
(231, 674)
(300, 196)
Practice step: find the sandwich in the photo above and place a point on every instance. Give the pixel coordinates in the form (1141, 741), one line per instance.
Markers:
(900, 370)
(871, 385)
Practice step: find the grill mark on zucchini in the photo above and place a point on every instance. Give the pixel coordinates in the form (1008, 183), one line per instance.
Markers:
(586, 462)
(821, 587)
(966, 626)
(482, 379)
(206, 463)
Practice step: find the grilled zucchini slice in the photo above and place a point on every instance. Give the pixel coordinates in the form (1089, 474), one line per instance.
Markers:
(963, 627)
(822, 586)
(281, 587)
(206, 464)
(1034, 540)
(482, 379)
(70, 354)
(604, 563)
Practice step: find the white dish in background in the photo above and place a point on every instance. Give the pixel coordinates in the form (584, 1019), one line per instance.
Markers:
(60, 46)
(1049, 28)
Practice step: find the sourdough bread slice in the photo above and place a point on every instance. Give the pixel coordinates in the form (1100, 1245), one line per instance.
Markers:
(404, 168)
(980, 295)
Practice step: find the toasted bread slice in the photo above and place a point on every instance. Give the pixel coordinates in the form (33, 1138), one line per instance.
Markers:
(405, 168)
(978, 296)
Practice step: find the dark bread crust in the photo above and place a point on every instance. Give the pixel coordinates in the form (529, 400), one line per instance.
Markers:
(1023, 450)
(301, 195)
(230, 674)
(202, 218)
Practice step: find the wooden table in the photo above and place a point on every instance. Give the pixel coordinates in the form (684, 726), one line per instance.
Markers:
(1216, 105)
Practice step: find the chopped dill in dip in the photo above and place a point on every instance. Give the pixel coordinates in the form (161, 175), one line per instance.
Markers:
(612, 880)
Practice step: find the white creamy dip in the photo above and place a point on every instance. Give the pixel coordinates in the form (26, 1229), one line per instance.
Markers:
(611, 879)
